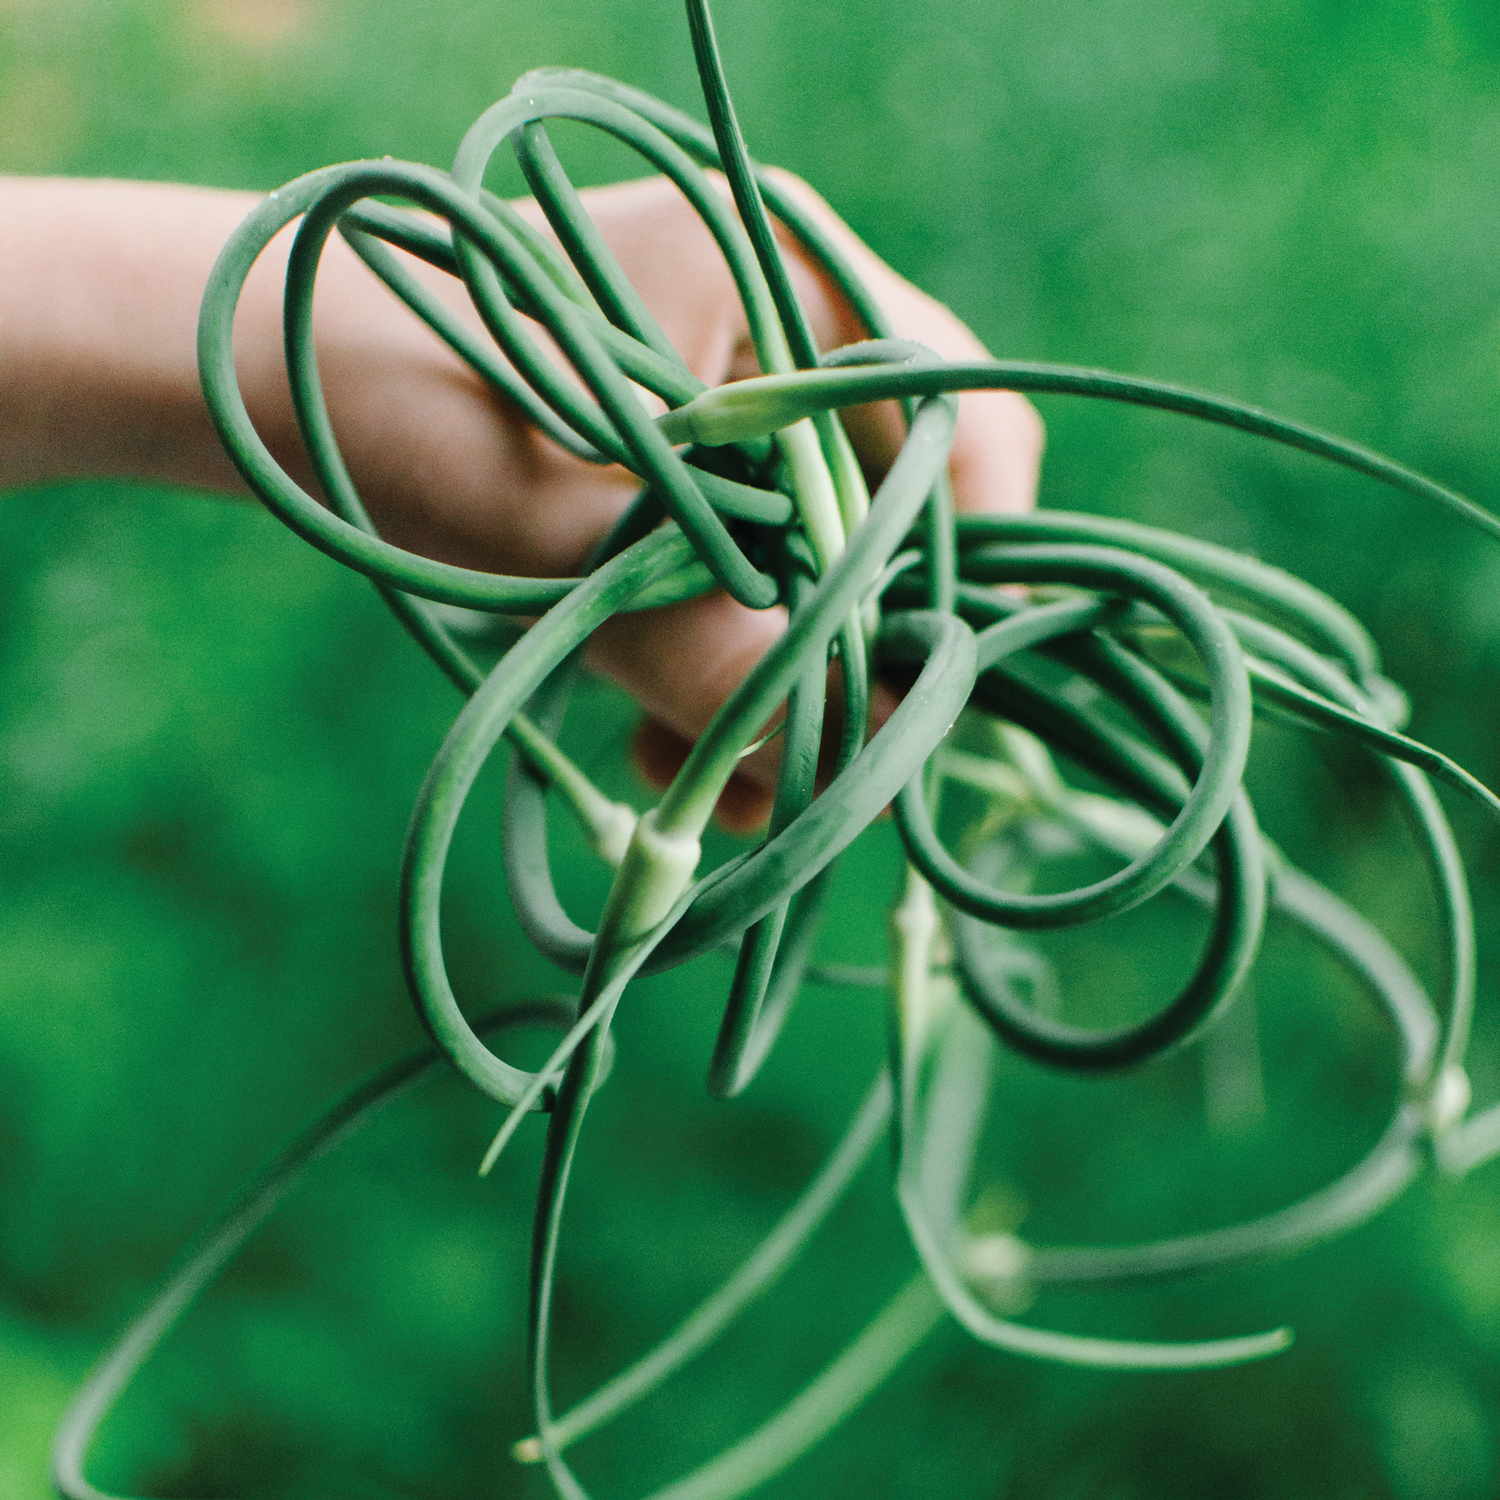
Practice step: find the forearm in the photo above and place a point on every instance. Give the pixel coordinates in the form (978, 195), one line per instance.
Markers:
(99, 290)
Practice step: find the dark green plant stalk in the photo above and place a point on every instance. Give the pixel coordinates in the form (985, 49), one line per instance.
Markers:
(1126, 625)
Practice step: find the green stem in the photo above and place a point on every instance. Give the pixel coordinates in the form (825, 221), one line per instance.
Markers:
(753, 1279)
(913, 932)
(689, 801)
(117, 1367)
(870, 1360)
(749, 408)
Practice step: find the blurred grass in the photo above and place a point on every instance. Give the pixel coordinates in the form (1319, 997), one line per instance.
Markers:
(210, 738)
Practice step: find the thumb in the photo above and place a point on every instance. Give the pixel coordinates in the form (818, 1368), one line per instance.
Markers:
(680, 663)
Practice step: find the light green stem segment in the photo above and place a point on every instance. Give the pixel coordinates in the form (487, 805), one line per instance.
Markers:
(914, 928)
(608, 825)
(901, 1325)
(843, 467)
(816, 495)
(658, 867)
(1471, 1143)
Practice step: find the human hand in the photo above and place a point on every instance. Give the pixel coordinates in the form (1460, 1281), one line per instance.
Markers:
(683, 661)
(99, 287)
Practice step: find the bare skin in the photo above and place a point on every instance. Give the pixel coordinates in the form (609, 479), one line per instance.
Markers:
(99, 291)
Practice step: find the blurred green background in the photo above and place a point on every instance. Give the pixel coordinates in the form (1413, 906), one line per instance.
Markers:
(210, 738)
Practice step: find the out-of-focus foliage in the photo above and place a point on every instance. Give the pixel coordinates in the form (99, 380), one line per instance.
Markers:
(210, 738)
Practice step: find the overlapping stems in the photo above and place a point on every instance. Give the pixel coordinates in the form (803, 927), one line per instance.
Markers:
(1359, 948)
(767, 501)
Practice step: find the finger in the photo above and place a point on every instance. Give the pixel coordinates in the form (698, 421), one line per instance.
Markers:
(659, 753)
(682, 663)
(997, 447)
